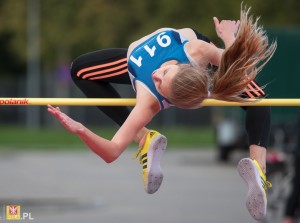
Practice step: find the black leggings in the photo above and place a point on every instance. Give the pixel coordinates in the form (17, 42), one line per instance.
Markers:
(94, 72)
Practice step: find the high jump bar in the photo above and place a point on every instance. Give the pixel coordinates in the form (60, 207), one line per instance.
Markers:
(132, 102)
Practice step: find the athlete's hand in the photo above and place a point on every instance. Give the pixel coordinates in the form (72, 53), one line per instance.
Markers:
(71, 125)
(226, 27)
(226, 30)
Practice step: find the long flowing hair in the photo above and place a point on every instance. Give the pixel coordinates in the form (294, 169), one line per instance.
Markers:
(240, 64)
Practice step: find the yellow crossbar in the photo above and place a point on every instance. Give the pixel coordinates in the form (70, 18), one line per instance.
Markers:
(132, 101)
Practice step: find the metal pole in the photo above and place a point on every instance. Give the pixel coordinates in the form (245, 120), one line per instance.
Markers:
(295, 102)
(33, 61)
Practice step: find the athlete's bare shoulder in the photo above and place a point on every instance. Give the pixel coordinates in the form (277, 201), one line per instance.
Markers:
(187, 33)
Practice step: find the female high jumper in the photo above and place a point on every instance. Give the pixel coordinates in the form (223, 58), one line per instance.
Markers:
(179, 67)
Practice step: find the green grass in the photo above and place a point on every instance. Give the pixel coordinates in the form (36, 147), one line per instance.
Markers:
(59, 138)
(189, 137)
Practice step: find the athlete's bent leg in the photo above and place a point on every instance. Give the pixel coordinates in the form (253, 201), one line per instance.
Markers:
(253, 169)
(93, 73)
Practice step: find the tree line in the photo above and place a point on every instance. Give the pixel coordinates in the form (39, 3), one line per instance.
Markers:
(69, 28)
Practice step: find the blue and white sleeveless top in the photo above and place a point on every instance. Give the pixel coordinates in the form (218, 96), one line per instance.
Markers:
(151, 54)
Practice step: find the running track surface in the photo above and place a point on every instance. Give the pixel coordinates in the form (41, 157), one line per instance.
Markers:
(76, 187)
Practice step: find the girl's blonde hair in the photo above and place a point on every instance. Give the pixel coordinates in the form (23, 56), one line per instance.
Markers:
(189, 87)
(239, 65)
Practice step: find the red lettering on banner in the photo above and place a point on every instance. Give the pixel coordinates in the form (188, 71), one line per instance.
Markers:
(14, 101)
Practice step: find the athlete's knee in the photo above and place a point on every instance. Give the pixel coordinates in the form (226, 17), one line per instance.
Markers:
(75, 68)
(73, 71)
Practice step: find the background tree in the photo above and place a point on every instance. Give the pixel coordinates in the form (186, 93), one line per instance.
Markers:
(71, 27)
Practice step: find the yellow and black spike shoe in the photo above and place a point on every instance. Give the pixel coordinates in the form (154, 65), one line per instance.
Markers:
(150, 154)
(256, 180)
